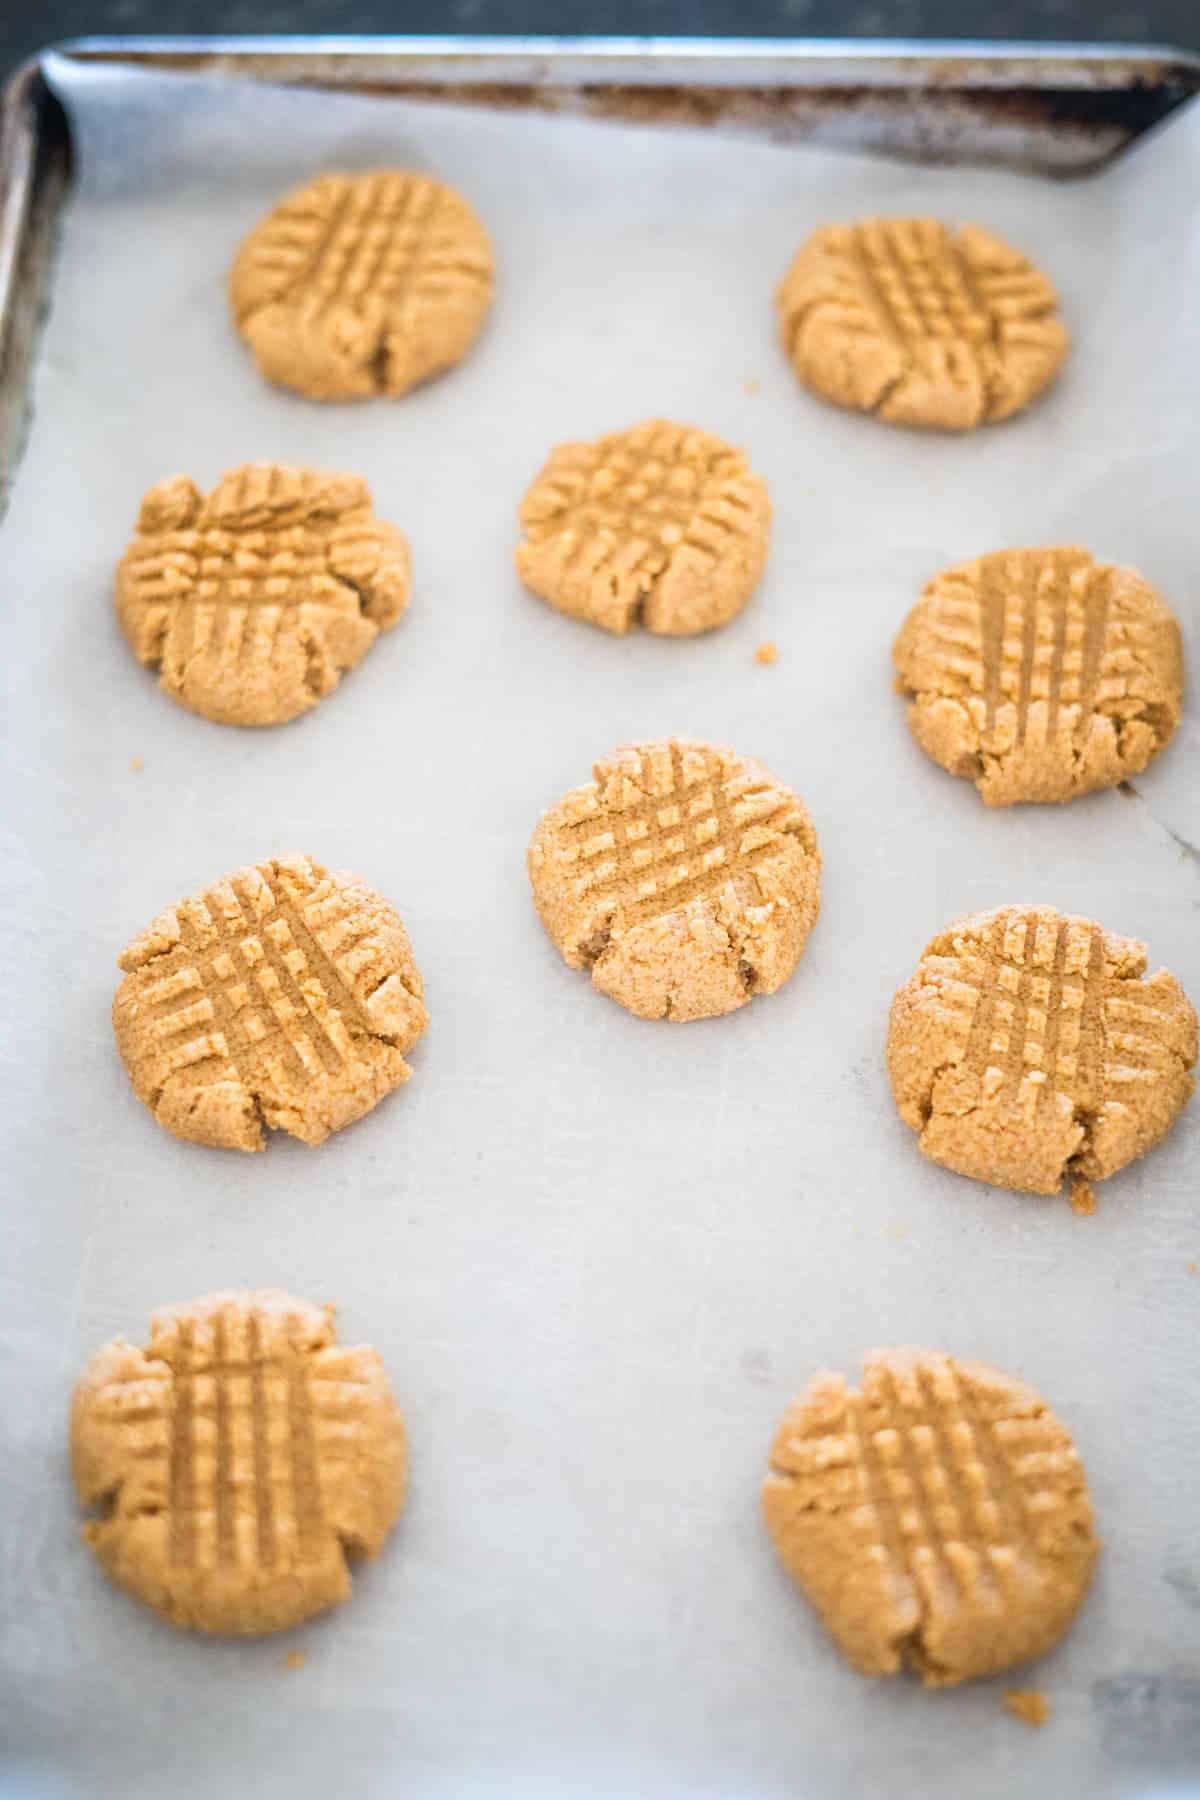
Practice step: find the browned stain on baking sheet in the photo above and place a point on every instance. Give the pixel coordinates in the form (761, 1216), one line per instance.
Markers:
(1068, 113)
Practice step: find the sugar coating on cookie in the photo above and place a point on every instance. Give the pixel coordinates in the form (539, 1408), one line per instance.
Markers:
(362, 284)
(280, 996)
(938, 1518)
(1041, 674)
(685, 877)
(663, 526)
(238, 1461)
(920, 324)
(252, 600)
(1029, 1048)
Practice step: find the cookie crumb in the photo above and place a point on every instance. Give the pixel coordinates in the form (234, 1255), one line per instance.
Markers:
(767, 653)
(752, 384)
(137, 762)
(1028, 1704)
(1083, 1199)
(295, 1659)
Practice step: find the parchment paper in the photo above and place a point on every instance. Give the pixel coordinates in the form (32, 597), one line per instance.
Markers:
(599, 1255)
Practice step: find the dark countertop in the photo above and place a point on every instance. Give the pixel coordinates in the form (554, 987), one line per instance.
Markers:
(24, 28)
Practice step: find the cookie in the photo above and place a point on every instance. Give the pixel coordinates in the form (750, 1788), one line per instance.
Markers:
(251, 601)
(238, 1461)
(1041, 674)
(919, 324)
(363, 284)
(685, 877)
(281, 995)
(938, 1518)
(1028, 1048)
(663, 526)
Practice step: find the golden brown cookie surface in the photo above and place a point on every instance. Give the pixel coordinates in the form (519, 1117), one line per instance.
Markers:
(363, 284)
(237, 1460)
(662, 525)
(1028, 1047)
(938, 1518)
(685, 877)
(919, 324)
(281, 995)
(1041, 674)
(252, 600)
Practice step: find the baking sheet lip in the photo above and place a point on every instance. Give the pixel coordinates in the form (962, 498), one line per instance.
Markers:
(34, 175)
(1000, 56)
(18, 149)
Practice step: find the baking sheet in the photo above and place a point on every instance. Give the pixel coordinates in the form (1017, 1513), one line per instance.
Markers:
(598, 1254)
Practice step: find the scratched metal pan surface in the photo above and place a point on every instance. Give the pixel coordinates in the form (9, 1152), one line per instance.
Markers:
(598, 1254)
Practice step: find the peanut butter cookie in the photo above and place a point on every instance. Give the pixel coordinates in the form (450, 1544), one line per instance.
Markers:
(365, 284)
(1041, 674)
(281, 995)
(238, 1461)
(252, 600)
(685, 877)
(919, 324)
(662, 525)
(938, 1519)
(1028, 1048)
